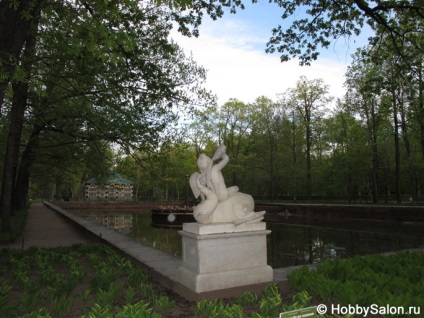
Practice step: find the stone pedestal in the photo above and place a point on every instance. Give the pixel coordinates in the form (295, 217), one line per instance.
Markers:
(222, 255)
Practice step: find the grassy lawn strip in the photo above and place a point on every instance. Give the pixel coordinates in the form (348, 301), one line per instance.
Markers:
(93, 280)
(82, 280)
(394, 280)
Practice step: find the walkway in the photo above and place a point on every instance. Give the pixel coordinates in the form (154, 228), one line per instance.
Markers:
(45, 228)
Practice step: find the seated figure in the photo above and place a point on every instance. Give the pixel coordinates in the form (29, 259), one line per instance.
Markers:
(219, 203)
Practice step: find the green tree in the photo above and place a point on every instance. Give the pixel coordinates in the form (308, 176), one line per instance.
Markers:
(325, 21)
(363, 80)
(18, 17)
(16, 121)
(347, 171)
(266, 137)
(308, 99)
(65, 168)
(139, 167)
(102, 71)
(396, 84)
(232, 124)
(293, 141)
(200, 132)
(162, 173)
(18, 23)
(400, 63)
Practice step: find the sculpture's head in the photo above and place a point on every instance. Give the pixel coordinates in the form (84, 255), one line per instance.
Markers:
(203, 162)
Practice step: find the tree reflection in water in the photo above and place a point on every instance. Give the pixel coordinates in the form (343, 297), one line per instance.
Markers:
(290, 245)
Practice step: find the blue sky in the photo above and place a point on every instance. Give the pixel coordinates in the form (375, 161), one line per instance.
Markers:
(232, 50)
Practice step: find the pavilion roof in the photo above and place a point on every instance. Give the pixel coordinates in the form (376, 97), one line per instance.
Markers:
(115, 178)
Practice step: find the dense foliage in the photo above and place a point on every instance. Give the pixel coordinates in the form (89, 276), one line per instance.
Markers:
(364, 148)
(78, 79)
(381, 280)
(94, 281)
(85, 76)
(81, 281)
(318, 23)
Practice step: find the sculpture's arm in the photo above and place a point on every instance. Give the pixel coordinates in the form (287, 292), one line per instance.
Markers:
(220, 165)
(221, 153)
(193, 184)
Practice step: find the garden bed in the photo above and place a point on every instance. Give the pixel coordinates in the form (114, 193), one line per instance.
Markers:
(94, 279)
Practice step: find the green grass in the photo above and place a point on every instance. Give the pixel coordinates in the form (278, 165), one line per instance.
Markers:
(93, 280)
(394, 280)
(75, 281)
(17, 223)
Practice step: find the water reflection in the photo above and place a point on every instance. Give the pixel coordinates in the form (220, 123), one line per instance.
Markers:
(290, 244)
(138, 226)
(122, 223)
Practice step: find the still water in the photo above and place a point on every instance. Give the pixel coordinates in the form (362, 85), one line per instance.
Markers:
(288, 244)
(292, 244)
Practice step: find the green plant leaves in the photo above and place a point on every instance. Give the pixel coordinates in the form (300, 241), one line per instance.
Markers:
(247, 299)
(50, 282)
(217, 308)
(376, 279)
(42, 313)
(270, 305)
(8, 309)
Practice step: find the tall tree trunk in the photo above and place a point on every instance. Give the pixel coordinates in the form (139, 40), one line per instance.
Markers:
(407, 145)
(12, 155)
(421, 108)
(294, 157)
(397, 150)
(19, 103)
(374, 151)
(308, 161)
(21, 190)
(81, 193)
(374, 185)
(58, 187)
(14, 31)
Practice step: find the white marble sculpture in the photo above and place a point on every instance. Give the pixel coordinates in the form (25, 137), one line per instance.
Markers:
(219, 203)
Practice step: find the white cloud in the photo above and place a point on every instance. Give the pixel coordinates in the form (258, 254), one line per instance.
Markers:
(237, 70)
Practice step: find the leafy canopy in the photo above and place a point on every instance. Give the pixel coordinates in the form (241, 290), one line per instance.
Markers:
(326, 20)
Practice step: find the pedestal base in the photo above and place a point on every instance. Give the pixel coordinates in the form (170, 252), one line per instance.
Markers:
(222, 255)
